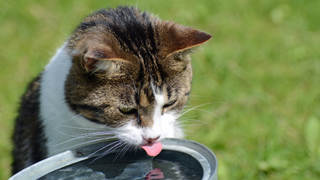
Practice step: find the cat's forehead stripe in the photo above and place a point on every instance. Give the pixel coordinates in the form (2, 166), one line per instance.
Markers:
(158, 95)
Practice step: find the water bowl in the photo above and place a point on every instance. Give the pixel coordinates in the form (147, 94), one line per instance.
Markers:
(179, 159)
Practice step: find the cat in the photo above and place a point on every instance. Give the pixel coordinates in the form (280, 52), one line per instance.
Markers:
(122, 75)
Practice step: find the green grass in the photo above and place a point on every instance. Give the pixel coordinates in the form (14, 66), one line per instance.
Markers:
(260, 72)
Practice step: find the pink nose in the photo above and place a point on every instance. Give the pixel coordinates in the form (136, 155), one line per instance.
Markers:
(152, 139)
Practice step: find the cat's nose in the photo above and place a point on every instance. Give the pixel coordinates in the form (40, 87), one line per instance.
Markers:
(152, 139)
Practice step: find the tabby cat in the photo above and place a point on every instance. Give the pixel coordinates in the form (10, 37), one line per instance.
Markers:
(122, 75)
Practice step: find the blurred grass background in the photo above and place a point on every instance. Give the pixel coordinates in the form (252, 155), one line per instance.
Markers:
(260, 75)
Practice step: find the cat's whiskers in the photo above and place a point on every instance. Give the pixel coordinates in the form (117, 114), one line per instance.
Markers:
(200, 122)
(72, 118)
(187, 118)
(196, 97)
(121, 144)
(104, 147)
(203, 76)
(183, 120)
(206, 112)
(93, 134)
(182, 124)
(195, 108)
(82, 128)
(123, 151)
(113, 148)
(86, 129)
(187, 130)
(83, 144)
(87, 136)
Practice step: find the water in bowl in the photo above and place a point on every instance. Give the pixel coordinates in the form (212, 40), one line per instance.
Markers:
(133, 165)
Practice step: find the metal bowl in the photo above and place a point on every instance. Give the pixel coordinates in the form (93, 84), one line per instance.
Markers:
(179, 159)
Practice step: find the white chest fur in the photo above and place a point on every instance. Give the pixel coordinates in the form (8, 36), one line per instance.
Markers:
(61, 126)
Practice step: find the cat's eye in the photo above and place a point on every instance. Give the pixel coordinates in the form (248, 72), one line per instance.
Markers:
(127, 110)
(170, 103)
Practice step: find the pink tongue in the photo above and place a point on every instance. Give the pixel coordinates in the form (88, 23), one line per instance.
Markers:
(152, 149)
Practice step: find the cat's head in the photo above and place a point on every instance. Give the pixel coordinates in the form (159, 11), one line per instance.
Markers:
(131, 71)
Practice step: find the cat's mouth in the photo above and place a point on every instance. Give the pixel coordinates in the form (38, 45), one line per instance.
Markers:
(152, 149)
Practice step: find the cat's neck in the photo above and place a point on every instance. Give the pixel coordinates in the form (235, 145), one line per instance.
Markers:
(60, 124)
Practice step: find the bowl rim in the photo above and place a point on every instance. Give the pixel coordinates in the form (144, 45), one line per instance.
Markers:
(203, 154)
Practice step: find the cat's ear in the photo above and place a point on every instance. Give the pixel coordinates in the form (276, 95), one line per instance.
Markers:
(182, 38)
(99, 57)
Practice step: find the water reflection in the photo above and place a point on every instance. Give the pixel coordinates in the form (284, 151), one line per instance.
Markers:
(155, 174)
